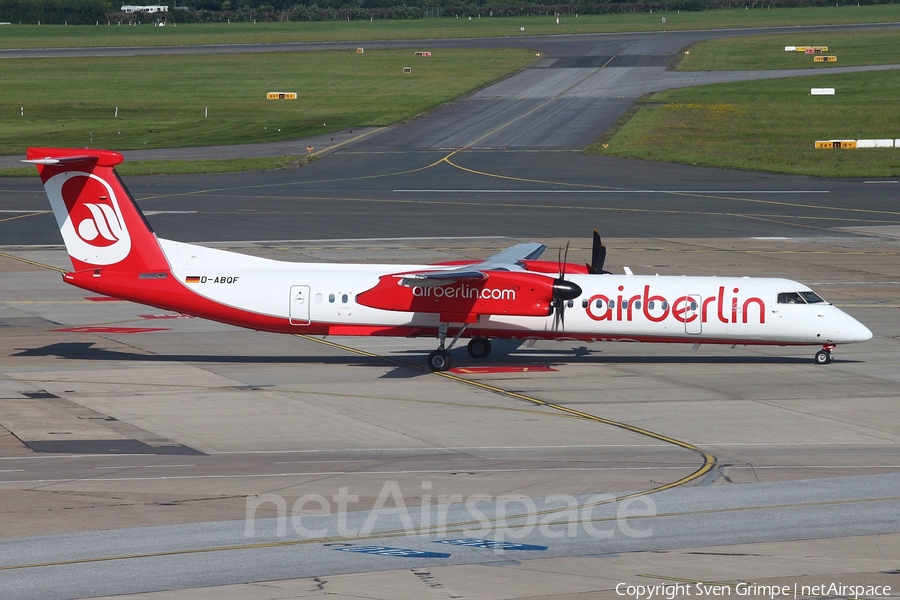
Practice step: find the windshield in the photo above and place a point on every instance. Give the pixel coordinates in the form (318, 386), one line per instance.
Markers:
(811, 297)
(799, 298)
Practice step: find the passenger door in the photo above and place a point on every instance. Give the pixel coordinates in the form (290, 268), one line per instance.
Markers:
(299, 309)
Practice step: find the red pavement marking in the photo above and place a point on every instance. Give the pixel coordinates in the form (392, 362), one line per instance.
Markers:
(510, 369)
(110, 329)
(103, 299)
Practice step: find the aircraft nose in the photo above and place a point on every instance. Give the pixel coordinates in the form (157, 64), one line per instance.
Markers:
(853, 331)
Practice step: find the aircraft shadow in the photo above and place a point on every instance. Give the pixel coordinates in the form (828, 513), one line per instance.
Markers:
(508, 356)
(87, 351)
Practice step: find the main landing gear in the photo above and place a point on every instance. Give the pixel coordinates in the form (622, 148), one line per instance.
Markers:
(440, 360)
(479, 347)
(823, 356)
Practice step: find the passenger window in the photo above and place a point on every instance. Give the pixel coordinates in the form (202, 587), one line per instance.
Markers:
(331, 298)
(611, 305)
(637, 305)
(665, 306)
(693, 306)
(318, 298)
(345, 298)
(790, 298)
(624, 303)
(570, 303)
(651, 304)
(584, 303)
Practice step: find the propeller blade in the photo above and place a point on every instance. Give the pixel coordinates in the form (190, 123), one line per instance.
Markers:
(563, 291)
(598, 255)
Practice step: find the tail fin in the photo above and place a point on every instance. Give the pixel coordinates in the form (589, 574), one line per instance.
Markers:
(99, 220)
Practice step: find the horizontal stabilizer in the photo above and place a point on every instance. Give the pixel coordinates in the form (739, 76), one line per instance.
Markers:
(70, 156)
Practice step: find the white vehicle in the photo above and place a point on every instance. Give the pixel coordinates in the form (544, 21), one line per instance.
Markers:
(510, 295)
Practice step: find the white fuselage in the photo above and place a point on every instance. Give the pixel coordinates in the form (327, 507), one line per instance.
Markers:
(611, 307)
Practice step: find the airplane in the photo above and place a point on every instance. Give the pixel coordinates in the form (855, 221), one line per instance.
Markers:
(510, 295)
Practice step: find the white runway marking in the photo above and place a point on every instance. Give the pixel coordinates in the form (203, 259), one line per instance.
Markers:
(549, 191)
(148, 213)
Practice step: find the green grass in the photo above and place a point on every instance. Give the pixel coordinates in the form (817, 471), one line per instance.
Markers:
(767, 51)
(769, 126)
(34, 36)
(162, 100)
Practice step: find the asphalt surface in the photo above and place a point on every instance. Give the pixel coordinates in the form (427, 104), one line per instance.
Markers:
(523, 194)
(673, 519)
(755, 446)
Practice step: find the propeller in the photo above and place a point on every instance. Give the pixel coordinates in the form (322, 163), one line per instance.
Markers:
(598, 256)
(563, 291)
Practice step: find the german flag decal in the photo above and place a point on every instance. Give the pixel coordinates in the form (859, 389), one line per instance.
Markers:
(192, 279)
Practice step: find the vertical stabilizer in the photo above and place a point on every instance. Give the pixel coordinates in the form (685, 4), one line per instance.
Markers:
(100, 222)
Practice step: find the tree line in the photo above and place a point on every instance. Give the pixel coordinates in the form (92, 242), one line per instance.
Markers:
(76, 12)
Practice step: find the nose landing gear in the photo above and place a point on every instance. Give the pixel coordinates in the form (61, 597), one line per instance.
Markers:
(439, 360)
(823, 356)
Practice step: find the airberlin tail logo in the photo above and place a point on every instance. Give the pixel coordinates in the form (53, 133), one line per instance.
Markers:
(89, 217)
(102, 228)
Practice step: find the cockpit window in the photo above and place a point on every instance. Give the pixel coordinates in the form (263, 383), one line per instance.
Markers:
(790, 298)
(811, 297)
(799, 298)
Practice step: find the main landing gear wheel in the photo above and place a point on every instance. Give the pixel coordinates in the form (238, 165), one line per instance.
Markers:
(479, 347)
(823, 357)
(439, 360)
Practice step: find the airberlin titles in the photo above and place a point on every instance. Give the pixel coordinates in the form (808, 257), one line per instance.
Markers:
(726, 304)
(502, 293)
(685, 309)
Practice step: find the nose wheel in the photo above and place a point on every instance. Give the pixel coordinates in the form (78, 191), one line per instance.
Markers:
(439, 360)
(823, 356)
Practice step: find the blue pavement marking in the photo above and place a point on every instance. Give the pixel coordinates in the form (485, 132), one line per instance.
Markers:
(385, 551)
(475, 543)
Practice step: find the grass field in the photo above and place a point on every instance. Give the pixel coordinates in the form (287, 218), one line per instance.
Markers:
(767, 51)
(769, 126)
(162, 100)
(46, 36)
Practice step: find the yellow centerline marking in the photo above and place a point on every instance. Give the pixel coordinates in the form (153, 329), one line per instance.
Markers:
(709, 461)
(32, 262)
(32, 214)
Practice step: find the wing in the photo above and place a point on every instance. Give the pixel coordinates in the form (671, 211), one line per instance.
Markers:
(506, 260)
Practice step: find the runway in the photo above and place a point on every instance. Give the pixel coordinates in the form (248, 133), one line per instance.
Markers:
(141, 451)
